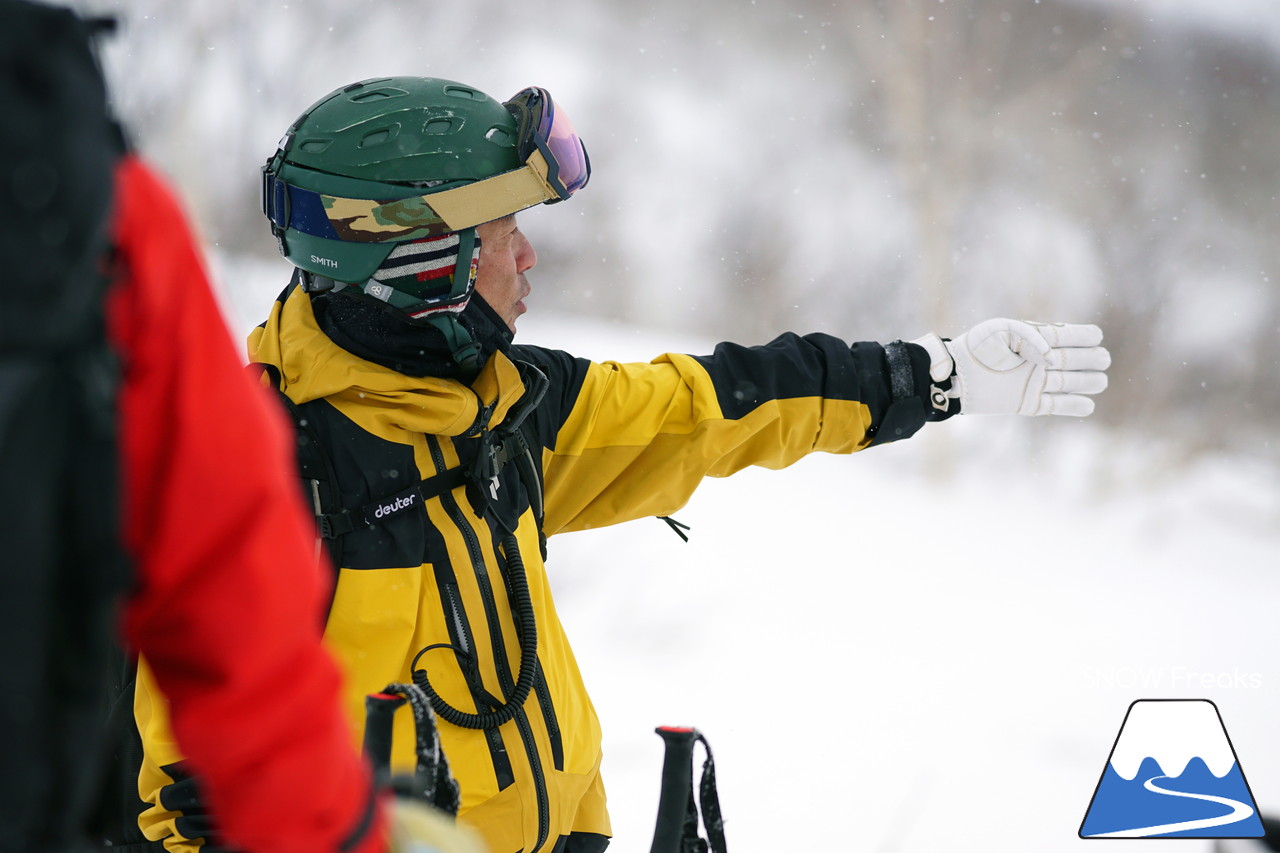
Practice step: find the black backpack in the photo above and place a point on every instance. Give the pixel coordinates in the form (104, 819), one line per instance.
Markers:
(63, 566)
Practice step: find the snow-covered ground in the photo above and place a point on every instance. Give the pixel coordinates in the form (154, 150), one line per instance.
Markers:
(925, 647)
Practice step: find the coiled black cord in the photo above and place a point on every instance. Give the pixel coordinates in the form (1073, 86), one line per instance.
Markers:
(522, 605)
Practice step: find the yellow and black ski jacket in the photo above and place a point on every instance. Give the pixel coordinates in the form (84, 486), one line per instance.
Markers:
(613, 442)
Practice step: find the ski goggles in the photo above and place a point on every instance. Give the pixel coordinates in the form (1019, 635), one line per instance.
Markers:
(547, 130)
(555, 167)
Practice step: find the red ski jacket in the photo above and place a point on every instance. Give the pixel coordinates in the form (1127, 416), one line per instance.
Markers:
(229, 604)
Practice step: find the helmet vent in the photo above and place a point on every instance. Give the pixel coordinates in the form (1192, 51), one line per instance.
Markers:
(377, 95)
(500, 136)
(437, 125)
(314, 146)
(379, 137)
(463, 92)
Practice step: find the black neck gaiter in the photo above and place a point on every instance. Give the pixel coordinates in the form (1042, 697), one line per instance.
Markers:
(372, 330)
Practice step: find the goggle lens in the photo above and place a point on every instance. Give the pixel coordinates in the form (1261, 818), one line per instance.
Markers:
(564, 146)
(548, 130)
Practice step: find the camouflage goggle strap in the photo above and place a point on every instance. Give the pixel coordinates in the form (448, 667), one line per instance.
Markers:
(362, 220)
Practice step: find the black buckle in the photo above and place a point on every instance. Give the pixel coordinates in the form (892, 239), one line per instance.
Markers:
(335, 524)
(268, 178)
(271, 187)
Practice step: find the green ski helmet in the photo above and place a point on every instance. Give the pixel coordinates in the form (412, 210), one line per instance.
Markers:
(394, 160)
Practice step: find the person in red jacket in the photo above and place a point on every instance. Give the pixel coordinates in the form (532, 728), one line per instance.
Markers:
(228, 605)
(141, 465)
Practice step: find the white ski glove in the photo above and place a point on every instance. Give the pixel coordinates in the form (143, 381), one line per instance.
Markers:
(1004, 367)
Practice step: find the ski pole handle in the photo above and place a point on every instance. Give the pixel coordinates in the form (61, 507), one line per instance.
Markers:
(675, 803)
(379, 714)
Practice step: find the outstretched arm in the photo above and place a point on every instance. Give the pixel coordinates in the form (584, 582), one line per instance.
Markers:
(628, 440)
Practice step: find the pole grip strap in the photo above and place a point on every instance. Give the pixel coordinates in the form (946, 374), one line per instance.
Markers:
(676, 830)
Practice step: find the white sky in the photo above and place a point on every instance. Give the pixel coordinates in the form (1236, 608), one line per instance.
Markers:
(1251, 18)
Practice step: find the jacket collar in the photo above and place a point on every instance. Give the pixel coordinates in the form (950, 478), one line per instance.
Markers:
(386, 335)
(312, 366)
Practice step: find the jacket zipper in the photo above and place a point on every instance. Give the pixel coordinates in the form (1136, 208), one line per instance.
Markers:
(450, 591)
(549, 715)
(525, 728)
(521, 719)
(539, 780)
(497, 749)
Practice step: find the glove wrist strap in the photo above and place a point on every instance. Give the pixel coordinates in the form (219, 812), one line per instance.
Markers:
(914, 398)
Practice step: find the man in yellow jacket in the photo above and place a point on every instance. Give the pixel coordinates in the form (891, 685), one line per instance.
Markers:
(450, 453)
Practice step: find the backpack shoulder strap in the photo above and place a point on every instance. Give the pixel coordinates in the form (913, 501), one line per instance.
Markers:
(319, 478)
(321, 485)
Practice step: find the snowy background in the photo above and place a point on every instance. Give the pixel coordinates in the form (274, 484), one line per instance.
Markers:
(929, 646)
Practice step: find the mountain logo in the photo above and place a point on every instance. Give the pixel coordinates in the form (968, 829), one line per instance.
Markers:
(1172, 773)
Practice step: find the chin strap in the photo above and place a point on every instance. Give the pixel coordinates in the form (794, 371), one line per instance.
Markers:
(442, 311)
(465, 349)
